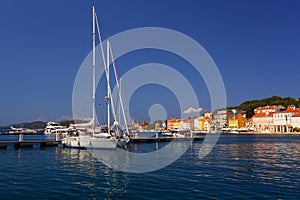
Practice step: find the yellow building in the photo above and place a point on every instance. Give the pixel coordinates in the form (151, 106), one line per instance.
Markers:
(202, 123)
(238, 121)
(177, 124)
(233, 122)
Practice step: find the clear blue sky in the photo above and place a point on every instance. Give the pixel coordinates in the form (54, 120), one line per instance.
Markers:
(255, 44)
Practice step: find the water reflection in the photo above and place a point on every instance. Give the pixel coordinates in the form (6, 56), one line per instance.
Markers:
(258, 160)
(137, 162)
(85, 171)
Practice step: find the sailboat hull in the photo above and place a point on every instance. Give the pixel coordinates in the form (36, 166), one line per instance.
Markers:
(72, 142)
(89, 142)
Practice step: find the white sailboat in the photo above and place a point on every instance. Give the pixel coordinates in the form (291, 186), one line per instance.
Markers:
(101, 137)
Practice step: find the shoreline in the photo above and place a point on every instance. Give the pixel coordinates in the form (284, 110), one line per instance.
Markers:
(245, 133)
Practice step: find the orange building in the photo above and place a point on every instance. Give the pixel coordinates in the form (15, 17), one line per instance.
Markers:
(173, 123)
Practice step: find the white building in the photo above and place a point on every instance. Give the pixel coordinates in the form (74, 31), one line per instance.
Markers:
(296, 120)
(283, 121)
(220, 118)
(269, 109)
(187, 124)
(261, 122)
(196, 124)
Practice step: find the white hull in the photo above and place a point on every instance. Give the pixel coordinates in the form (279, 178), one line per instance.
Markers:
(167, 134)
(234, 132)
(123, 142)
(72, 142)
(180, 133)
(89, 142)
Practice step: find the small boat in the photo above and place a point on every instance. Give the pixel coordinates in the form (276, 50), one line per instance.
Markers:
(178, 133)
(234, 131)
(21, 131)
(167, 134)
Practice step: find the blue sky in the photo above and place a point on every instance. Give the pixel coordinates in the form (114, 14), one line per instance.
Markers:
(255, 44)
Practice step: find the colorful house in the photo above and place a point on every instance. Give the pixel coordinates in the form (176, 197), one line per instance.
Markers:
(236, 118)
(187, 124)
(202, 123)
(220, 118)
(173, 123)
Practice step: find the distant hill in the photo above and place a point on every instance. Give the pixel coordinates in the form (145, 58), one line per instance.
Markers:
(249, 106)
(31, 125)
(40, 124)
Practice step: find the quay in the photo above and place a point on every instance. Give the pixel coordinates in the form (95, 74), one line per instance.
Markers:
(57, 142)
(164, 139)
(29, 143)
(54, 143)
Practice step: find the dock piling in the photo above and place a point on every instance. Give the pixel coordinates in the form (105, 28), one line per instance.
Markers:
(21, 137)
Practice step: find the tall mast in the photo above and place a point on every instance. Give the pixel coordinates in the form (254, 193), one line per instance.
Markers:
(108, 87)
(110, 102)
(94, 71)
(118, 81)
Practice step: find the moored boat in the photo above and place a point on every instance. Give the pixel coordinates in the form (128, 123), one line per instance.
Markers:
(95, 136)
(55, 128)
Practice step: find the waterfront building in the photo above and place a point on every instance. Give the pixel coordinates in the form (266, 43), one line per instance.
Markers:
(170, 123)
(236, 118)
(202, 123)
(197, 124)
(220, 118)
(282, 121)
(177, 124)
(233, 122)
(187, 124)
(262, 120)
(296, 120)
(173, 123)
(269, 109)
(249, 124)
(206, 124)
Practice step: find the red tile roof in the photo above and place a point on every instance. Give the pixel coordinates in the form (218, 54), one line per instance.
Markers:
(296, 115)
(269, 107)
(263, 115)
(290, 109)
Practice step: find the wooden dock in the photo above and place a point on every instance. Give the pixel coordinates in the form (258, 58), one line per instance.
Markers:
(29, 143)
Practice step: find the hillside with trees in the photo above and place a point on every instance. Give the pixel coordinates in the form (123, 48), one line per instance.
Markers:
(249, 106)
(30, 125)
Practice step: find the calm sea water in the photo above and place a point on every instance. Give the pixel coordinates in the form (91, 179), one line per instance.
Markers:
(239, 167)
